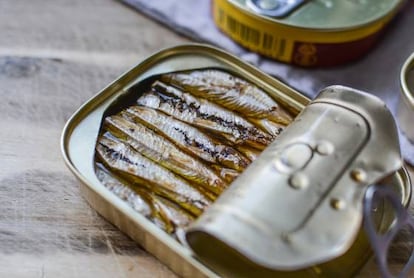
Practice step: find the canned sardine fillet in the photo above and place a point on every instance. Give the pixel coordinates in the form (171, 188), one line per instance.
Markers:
(174, 103)
(183, 140)
(305, 32)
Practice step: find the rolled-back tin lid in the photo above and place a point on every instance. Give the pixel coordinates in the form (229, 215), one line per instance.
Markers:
(301, 202)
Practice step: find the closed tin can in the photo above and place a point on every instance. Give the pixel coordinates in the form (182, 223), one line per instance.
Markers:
(305, 33)
(78, 147)
(406, 106)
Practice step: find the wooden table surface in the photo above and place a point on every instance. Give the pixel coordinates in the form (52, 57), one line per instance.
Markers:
(54, 55)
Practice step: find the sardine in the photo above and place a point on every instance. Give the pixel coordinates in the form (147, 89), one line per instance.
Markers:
(138, 169)
(231, 92)
(189, 138)
(229, 175)
(162, 212)
(131, 197)
(162, 151)
(137, 197)
(204, 114)
(270, 127)
(250, 153)
(177, 217)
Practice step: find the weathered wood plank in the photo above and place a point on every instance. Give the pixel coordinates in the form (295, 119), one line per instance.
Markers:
(48, 68)
(99, 31)
(46, 228)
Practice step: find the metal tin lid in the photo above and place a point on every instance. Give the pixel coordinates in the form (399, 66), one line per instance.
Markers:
(322, 14)
(406, 106)
(300, 203)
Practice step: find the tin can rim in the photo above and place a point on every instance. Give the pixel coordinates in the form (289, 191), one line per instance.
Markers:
(407, 94)
(406, 105)
(406, 186)
(366, 24)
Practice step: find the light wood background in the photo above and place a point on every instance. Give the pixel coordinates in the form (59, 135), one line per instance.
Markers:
(54, 55)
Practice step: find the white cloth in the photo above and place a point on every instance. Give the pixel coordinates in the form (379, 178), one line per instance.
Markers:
(376, 73)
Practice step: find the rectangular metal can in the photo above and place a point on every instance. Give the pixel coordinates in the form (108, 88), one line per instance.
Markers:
(78, 148)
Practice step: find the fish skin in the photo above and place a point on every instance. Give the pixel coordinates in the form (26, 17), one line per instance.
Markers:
(270, 127)
(231, 92)
(250, 153)
(204, 114)
(162, 151)
(163, 213)
(177, 217)
(227, 174)
(132, 197)
(173, 108)
(189, 138)
(176, 214)
(137, 197)
(140, 170)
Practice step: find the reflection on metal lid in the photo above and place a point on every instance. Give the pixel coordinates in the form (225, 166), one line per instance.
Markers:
(309, 212)
(406, 106)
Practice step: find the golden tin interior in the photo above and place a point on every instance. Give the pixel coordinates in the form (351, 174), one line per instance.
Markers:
(406, 106)
(80, 134)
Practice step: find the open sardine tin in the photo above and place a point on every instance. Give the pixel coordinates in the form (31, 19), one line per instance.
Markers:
(296, 210)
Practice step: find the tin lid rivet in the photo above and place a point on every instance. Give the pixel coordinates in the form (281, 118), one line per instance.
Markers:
(338, 204)
(293, 158)
(299, 181)
(359, 175)
(325, 148)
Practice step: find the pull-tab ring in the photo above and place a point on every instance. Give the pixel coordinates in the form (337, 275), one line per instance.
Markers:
(381, 242)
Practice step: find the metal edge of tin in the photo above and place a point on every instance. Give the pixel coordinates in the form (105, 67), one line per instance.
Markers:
(407, 186)
(406, 106)
(356, 31)
(401, 182)
(371, 25)
(85, 123)
(403, 188)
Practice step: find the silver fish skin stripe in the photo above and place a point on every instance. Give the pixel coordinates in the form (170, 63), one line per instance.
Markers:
(230, 91)
(190, 138)
(203, 113)
(162, 151)
(122, 158)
